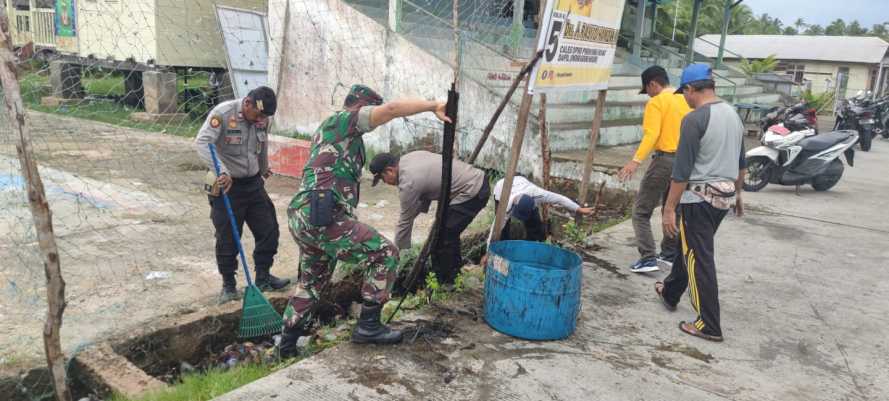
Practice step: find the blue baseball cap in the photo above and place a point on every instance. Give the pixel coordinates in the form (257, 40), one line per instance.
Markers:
(693, 73)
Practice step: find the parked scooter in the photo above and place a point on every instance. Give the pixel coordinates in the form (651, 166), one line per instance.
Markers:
(855, 114)
(800, 114)
(881, 116)
(799, 156)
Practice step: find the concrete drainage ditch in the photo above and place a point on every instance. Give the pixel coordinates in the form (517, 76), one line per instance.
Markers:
(149, 358)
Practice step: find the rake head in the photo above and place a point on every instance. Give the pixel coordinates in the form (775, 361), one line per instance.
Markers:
(258, 316)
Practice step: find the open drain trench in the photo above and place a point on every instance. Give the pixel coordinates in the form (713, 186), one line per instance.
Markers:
(150, 356)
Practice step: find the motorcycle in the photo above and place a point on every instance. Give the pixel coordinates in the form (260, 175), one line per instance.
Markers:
(881, 117)
(797, 156)
(777, 115)
(855, 114)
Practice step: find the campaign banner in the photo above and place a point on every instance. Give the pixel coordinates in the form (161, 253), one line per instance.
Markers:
(65, 18)
(578, 41)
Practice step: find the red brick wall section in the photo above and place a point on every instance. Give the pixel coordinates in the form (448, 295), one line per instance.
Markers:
(288, 156)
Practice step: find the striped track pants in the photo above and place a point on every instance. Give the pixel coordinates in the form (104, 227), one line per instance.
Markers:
(695, 268)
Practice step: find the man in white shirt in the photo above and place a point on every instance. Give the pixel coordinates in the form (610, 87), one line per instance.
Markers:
(523, 205)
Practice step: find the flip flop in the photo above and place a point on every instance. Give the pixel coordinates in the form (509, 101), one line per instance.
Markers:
(691, 330)
(660, 294)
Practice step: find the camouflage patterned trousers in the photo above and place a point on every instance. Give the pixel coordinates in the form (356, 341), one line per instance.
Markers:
(346, 240)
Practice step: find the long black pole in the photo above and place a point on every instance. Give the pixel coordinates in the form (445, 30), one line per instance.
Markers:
(441, 215)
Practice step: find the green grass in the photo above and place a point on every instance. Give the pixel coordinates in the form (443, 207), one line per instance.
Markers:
(207, 385)
(36, 85)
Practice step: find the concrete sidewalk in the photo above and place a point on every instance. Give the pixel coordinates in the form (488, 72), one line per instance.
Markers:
(803, 287)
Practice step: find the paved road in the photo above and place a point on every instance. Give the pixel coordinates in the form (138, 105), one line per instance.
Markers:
(803, 283)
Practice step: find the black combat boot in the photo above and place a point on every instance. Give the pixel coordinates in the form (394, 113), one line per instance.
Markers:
(370, 330)
(266, 281)
(229, 289)
(287, 348)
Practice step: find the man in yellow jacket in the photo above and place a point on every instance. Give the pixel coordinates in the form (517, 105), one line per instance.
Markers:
(660, 136)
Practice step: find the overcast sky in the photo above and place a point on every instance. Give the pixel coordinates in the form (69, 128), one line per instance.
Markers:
(822, 12)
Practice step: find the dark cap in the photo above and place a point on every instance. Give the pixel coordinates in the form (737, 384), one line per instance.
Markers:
(360, 96)
(264, 99)
(695, 73)
(523, 208)
(651, 73)
(379, 163)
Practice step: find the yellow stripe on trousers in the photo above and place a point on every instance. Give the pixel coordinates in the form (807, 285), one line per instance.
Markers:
(693, 282)
(682, 235)
(690, 269)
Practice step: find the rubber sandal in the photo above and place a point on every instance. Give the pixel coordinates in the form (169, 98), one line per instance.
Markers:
(660, 294)
(691, 330)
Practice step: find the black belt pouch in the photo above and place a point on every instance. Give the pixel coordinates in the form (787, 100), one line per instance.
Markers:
(321, 207)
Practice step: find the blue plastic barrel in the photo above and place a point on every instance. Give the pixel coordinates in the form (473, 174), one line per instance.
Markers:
(532, 290)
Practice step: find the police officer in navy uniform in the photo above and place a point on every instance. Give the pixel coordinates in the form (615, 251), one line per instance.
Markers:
(238, 128)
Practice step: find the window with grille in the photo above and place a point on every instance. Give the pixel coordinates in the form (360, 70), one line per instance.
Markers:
(797, 71)
(23, 23)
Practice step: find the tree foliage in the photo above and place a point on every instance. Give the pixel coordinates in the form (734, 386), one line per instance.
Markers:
(752, 68)
(745, 22)
(820, 101)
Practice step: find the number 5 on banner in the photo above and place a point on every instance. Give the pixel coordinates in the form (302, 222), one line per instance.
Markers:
(552, 44)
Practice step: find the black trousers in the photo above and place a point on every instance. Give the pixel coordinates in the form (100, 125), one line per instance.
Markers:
(252, 205)
(446, 258)
(695, 268)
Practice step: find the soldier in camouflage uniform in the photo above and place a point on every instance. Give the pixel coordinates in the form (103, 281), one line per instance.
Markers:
(323, 223)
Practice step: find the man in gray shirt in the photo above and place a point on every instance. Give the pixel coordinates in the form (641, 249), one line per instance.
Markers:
(418, 177)
(238, 129)
(708, 175)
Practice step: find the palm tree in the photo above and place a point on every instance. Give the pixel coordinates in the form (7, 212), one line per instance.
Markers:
(814, 29)
(799, 24)
(880, 30)
(855, 29)
(836, 28)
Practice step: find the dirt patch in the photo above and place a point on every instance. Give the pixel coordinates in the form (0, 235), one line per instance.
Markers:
(191, 166)
(686, 350)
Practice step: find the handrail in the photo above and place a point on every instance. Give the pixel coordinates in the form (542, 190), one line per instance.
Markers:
(685, 46)
(726, 50)
(656, 53)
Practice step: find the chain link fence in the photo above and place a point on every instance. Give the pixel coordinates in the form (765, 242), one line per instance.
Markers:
(124, 183)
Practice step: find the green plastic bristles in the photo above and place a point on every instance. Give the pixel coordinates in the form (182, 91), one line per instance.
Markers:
(258, 317)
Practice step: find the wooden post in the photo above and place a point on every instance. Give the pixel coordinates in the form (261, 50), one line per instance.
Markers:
(514, 153)
(544, 138)
(546, 156)
(283, 60)
(591, 150)
(55, 285)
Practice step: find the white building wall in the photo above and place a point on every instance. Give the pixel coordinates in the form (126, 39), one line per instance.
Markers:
(117, 29)
(331, 47)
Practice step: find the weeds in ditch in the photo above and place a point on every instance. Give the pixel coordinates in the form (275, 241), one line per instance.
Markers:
(573, 233)
(209, 384)
(434, 292)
